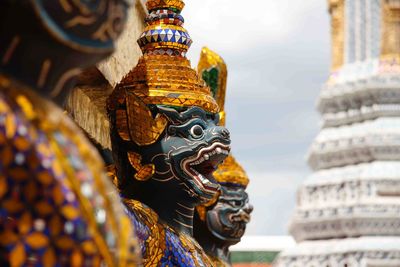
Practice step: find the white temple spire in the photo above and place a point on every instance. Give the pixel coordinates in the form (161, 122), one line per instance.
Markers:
(348, 210)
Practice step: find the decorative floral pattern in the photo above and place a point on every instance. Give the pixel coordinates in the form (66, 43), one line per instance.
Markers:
(55, 207)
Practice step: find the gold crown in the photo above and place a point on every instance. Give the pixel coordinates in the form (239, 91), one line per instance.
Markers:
(168, 80)
(231, 172)
(163, 76)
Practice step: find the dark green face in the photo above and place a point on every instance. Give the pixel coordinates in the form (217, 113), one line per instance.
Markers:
(228, 218)
(211, 77)
(188, 153)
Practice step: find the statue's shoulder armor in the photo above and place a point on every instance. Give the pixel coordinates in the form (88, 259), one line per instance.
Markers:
(54, 208)
(161, 245)
(144, 218)
(185, 251)
(149, 231)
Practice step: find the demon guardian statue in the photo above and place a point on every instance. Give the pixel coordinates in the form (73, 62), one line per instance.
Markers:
(221, 223)
(166, 142)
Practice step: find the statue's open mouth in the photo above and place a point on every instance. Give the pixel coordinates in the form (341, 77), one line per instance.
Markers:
(202, 165)
(240, 217)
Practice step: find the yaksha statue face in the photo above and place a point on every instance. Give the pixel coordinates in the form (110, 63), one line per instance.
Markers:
(222, 222)
(186, 148)
(228, 218)
(189, 151)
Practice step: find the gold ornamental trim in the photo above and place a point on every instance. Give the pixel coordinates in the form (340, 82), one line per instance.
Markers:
(160, 4)
(179, 99)
(209, 59)
(168, 80)
(390, 28)
(143, 128)
(164, 27)
(231, 172)
(143, 172)
(337, 11)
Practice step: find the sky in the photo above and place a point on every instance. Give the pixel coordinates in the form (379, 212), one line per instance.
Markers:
(278, 57)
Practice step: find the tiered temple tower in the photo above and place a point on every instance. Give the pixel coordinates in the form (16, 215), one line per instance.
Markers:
(348, 210)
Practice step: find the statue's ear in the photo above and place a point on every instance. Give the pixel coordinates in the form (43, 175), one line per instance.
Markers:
(143, 172)
(144, 129)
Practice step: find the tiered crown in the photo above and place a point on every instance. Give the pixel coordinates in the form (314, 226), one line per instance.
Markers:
(174, 5)
(164, 33)
(163, 75)
(213, 70)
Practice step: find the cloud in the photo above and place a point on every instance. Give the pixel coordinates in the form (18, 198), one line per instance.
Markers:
(234, 25)
(277, 54)
(272, 51)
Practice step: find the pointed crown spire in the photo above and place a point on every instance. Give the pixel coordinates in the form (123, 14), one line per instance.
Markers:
(173, 5)
(212, 68)
(164, 33)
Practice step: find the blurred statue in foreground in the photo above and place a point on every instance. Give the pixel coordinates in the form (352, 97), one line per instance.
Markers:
(56, 206)
(221, 223)
(166, 142)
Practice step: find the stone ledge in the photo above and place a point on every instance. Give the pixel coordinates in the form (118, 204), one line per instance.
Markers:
(354, 252)
(371, 90)
(127, 51)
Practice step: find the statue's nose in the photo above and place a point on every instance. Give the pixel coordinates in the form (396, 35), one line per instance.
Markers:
(225, 133)
(248, 208)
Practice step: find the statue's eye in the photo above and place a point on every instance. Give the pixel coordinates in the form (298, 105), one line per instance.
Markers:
(197, 131)
(236, 203)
